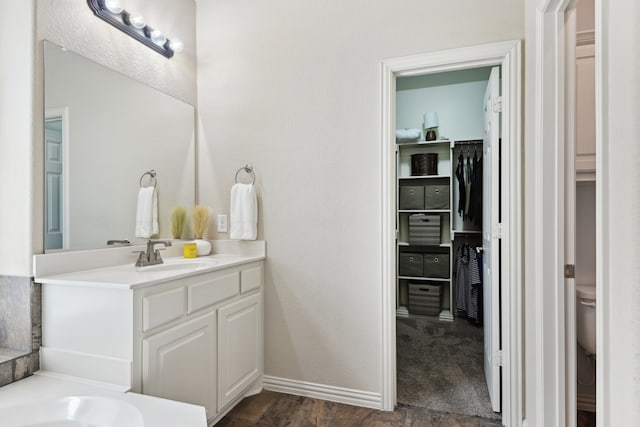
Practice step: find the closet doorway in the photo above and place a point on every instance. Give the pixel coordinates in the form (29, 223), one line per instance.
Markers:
(457, 230)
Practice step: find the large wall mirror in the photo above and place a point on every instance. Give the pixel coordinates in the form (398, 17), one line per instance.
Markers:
(103, 131)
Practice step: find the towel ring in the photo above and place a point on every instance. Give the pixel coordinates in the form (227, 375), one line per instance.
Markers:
(248, 169)
(152, 176)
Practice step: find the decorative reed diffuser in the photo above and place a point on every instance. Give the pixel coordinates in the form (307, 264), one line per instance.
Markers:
(178, 220)
(200, 220)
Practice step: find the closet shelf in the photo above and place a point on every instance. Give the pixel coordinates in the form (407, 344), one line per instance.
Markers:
(401, 178)
(423, 210)
(441, 245)
(467, 231)
(424, 279)
(422, 143)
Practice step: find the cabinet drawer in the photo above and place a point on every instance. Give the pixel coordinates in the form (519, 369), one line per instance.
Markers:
(162, 308)
(207, 291)
(250, 279)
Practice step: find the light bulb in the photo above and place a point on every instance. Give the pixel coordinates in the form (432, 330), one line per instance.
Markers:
(113, 6)
(158, 38)
(137, 21)
(176, 45)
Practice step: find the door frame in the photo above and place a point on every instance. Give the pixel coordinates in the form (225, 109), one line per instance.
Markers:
(61, 113)
(507, 55)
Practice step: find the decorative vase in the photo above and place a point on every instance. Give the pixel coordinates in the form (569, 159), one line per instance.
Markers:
(203, 247)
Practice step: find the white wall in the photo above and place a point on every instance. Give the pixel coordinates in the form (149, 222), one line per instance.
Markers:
(294, 88)
(16, 135)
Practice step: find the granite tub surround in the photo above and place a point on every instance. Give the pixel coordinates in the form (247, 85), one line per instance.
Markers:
(20, 328)
(43, 387)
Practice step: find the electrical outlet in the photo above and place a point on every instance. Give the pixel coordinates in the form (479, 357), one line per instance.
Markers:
(222, 223)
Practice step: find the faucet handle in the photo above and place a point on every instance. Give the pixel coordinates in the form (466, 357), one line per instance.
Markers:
(142, 258)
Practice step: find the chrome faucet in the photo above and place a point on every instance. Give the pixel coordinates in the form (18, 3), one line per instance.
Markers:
(152, 255)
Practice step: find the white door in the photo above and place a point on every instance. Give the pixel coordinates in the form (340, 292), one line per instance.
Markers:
(240, 347)
(53, 224)
(179, 363)
(490, 239)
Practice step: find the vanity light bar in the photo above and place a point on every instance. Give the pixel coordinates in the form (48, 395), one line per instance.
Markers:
(111, 12)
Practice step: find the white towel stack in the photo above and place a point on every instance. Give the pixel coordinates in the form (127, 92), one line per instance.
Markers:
(147, 213)
(244, 212)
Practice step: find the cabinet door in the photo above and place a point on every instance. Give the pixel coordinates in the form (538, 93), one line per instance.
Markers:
(179, 363)
(239, 347)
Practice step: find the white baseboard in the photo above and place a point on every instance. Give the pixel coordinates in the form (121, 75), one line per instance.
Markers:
(348, 396)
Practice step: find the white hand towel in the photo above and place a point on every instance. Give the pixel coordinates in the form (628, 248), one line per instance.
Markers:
(147, 213)
(244, 212)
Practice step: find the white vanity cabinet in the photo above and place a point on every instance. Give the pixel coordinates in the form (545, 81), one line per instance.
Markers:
(201, 337)
(195, 339)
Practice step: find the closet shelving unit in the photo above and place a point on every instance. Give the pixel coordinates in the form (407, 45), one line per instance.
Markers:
(452, 228)
(403, 154)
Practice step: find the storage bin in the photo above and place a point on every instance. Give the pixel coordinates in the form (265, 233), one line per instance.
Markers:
(424, 164)
(436, 265)
(424, 229)
(436, 196)
(411, 264)
(425, 298)
(411, 197)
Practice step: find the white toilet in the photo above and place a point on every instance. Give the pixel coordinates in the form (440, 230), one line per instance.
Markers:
(586, 317)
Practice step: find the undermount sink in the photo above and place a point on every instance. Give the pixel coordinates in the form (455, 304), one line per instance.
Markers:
(95, 411)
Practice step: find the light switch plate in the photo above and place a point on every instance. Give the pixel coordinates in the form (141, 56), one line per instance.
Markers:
(222, 223)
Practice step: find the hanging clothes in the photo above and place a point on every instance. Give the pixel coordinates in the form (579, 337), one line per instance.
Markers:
(477, 190)
(469, 283)
(475, 284)
(462, 278)
(461, 184)
(474, 183)
(468, 171)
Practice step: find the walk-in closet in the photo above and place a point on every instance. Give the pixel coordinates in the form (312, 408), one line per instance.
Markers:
(447, 306)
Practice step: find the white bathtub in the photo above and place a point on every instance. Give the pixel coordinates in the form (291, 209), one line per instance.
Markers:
(48, 400)
(81, 411)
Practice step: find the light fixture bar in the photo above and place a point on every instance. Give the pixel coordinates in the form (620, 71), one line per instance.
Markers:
(122, 22)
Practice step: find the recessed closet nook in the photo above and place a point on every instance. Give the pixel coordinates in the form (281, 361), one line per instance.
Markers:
(447, 308)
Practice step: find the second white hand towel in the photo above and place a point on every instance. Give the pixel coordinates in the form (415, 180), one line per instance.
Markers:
(147, 213)
(244, 212)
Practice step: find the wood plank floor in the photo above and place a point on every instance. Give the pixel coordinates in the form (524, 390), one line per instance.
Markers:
(271, 409)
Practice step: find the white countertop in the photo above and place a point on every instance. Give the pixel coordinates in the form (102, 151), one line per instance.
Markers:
(155, 411)
(127, 276)
(116, 268)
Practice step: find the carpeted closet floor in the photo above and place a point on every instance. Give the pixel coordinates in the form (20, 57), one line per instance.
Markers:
(440, 367)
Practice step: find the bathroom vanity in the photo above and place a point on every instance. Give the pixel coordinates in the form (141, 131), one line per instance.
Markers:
(189, 330)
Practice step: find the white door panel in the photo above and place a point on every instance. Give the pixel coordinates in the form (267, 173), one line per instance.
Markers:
(490, 240)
